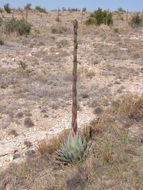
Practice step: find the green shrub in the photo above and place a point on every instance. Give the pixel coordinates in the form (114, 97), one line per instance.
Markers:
(91, 20)
(19, 26)
(41, 10)
(28, 6)
(100, 17)
(7, 8)
(116, 30)
(74, 149)
(58, 29)
(135, 21)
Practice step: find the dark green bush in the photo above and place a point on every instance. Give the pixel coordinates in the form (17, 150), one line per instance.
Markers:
(41, 10)
(20, 26)
(100, 17)
(7, 8)
(135, 21)
(1, 21)
(84, 9)
(28, 6)
(121, 10)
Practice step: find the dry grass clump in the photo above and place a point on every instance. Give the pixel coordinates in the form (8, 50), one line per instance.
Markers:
(132, 107)
(105, 124)
(50, 146)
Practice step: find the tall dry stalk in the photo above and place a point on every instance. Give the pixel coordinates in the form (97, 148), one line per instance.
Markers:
(74, 88)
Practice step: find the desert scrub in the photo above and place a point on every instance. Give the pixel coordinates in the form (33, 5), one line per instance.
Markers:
(41, 10)
(136, 21)
(100, 17)
(7, 8)
(59, 29)
(19, 26)
(74, 149)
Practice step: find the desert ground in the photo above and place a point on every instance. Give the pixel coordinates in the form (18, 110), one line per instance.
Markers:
(36, 80)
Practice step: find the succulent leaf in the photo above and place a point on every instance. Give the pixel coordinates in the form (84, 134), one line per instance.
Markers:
(74, 149)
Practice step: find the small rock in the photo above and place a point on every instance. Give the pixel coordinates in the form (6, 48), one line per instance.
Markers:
(30, 153)
(45, 116)
(28, 122)
(13, 132)
(98, 110)
(17, 155)
(19, 115)
(28, 144)
(85, 95)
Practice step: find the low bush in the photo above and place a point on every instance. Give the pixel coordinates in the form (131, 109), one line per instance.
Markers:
(27, 7)
(59, 29)
(135, 21)
(20, 26)
(41, 10)
(7, 8)
(100, 17)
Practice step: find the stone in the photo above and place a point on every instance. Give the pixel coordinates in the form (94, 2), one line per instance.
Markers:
(98, 111)
(28, 122)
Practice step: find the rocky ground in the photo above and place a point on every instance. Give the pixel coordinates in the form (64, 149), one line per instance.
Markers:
(36, 77)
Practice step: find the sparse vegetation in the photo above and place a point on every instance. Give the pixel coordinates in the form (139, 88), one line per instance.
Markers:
(19, 26)
(7, 8)
(35, 104)
(41, 10)
(136, 21)
(112, 155)
(100, 17)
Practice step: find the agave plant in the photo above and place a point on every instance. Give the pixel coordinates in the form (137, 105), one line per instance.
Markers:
(74, 149)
